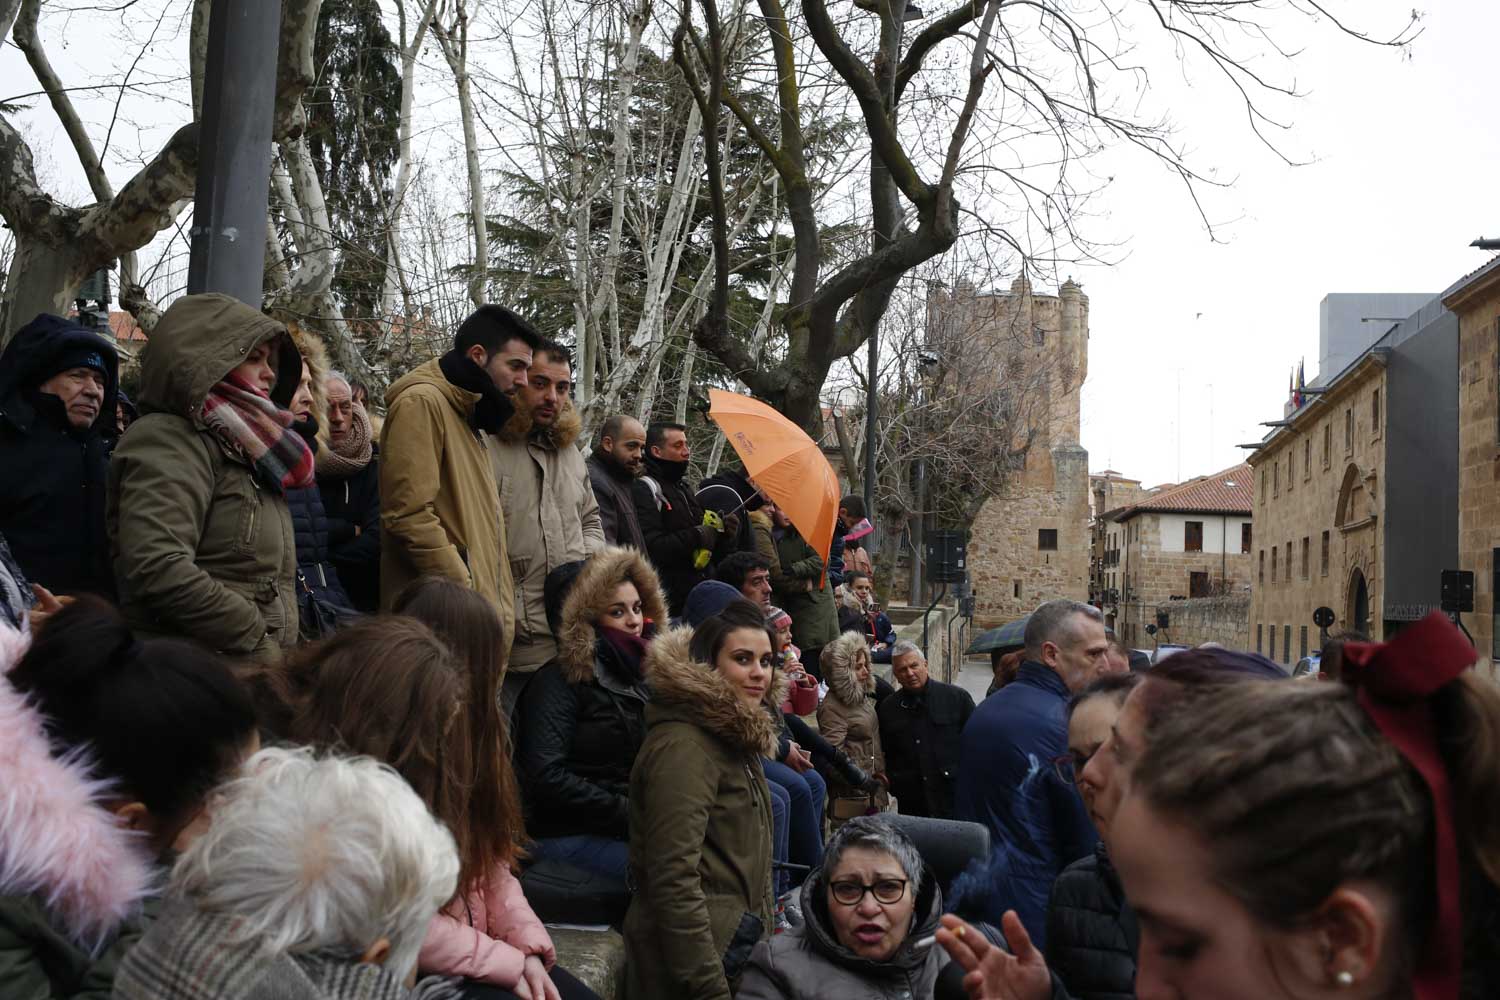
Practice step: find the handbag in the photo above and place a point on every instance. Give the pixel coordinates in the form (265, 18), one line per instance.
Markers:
(317, 617)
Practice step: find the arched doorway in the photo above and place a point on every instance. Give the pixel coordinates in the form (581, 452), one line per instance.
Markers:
(1359, 603)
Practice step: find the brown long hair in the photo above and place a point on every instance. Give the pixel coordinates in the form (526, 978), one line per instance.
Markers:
(1298, 792)
(389, 688)
(472, 629)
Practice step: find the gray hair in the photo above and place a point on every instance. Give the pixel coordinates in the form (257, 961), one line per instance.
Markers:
(334, 375)
(875, 834)
(1053, 622)
(322, 853)
(904, 647)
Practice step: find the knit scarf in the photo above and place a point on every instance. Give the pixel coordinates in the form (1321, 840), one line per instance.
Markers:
(340, 461)
(246, 422)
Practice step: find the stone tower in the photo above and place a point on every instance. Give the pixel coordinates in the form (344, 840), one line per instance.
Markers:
(1031, 544)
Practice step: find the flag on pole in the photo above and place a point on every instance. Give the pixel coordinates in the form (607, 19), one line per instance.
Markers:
(1298, 398)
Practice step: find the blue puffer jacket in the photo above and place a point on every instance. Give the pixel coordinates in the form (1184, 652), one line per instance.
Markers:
(1007, 782)
(310, 523)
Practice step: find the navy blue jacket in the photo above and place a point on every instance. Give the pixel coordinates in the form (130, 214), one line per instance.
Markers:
(1007, 782)
(350, 502)
(310, 523)
(52, 505)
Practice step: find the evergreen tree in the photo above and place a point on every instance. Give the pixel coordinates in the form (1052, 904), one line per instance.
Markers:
(353, 117)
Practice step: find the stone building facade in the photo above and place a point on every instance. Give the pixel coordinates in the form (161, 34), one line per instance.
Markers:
(1109, 492)
(1356, 494)
(1475, 299)
(1031, 544)
(1190, 542)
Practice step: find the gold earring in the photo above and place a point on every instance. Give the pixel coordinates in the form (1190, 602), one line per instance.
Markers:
(1344, 978)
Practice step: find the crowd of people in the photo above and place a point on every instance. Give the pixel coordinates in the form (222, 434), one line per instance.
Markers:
(295, 692)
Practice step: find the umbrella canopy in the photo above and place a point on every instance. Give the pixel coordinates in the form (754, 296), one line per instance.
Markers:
(785, 463)
(1011, 635)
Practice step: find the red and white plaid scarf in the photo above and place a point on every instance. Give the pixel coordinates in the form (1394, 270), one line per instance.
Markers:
(249, 424)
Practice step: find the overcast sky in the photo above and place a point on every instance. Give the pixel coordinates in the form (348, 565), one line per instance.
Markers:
(1406, 152)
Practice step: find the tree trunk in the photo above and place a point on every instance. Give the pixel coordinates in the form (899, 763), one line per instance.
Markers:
(395, 278)
(454, 40)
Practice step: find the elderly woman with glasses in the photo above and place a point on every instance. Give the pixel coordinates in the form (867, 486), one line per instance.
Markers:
(869, 915)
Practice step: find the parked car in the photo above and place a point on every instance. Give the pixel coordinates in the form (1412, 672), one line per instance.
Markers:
(1309, 666)
(1165, 650)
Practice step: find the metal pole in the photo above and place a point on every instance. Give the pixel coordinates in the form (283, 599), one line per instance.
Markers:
(234, 150)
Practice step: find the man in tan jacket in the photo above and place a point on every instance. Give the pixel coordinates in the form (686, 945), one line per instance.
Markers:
(439, 509)
(551, 515)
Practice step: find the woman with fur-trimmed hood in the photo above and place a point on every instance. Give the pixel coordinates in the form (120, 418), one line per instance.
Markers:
(582, 717)
(700, 812)
(847, 720)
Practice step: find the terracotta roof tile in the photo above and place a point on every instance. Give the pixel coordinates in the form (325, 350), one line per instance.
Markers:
(1229, 492)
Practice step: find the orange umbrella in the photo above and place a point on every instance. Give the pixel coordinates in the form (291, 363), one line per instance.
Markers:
(785, 463)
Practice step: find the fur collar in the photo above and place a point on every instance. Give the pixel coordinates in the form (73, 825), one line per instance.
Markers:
(562, 434)
(848, 599)
(695, 692)
(57, 841)
(838, 669)
(589, 597)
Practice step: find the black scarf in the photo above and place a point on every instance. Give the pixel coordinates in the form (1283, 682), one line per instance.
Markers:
(307, 427)
(494, 407)
(666, 470)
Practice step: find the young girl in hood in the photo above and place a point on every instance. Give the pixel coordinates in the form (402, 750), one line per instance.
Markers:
(109, 748)
(582, 717)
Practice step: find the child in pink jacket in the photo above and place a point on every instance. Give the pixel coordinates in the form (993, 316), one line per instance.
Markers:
(487, 935)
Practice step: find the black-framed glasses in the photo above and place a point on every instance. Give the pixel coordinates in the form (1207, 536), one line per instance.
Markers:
(885, 890)
(1071, 764)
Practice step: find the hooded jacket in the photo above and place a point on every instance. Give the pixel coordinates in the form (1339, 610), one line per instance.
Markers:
(551, 518)
(875, 625)
(71, 878)
(809, 963)
(583, 717)
(1092, 933)
(847, 719)
(201, 549)
(52, 507)
(700, 824)
(439, 506)
(309, 518)
(612, 490)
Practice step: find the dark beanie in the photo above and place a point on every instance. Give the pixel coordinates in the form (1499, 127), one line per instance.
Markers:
(555, 591)
(708, 599)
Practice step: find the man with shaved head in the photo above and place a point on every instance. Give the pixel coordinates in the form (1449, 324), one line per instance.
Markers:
(619, 457)
(1005, 776)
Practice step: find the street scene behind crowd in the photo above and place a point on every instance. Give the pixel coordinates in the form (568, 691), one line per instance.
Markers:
(309, 694)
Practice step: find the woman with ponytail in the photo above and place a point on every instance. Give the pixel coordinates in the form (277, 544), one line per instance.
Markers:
(197, 515)
(109, 748)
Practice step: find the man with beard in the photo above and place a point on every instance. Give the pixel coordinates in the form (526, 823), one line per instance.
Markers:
(439, 505)
(551, 516)
(618, 458)
(57, 415)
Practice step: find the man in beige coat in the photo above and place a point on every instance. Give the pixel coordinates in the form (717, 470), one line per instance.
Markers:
(439, 509)
(551, 515)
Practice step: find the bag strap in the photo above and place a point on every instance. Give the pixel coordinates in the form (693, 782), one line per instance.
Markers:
(656, 493)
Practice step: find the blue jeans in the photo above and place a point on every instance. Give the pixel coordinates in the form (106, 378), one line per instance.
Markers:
(780, 821)
(595, 854)
(806, 793)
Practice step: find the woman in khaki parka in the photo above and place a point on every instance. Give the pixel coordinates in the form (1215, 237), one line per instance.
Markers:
(700, 812)
(199, 531)
(847, 720)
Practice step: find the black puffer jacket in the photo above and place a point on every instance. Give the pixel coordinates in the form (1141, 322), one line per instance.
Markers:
(673, 529)
(310, 524)
(1092, 934)
(350, 502)
(52, 503)
(920, 732)
(582, 717)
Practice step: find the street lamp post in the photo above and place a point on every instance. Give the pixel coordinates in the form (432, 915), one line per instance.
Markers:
(234, 150)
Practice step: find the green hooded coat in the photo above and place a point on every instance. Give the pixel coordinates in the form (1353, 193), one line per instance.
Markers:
(201, 548)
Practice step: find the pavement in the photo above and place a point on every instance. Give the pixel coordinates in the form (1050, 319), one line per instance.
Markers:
(975, 676)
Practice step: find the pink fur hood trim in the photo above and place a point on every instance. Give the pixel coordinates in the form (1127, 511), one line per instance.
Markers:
(57, 842)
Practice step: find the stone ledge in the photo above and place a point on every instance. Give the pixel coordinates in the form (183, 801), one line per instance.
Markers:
(597, 958)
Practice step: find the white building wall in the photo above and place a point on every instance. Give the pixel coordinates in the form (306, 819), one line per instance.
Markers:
(1219, 532)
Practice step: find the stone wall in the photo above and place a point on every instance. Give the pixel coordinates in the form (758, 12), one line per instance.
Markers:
(1295, 499)
(1152, 576)
(1479, 452)
(1205, 619)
